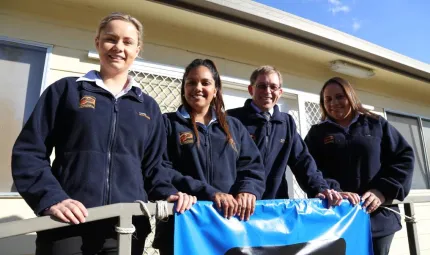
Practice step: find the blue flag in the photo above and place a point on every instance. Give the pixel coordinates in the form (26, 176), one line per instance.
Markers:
(302, 226)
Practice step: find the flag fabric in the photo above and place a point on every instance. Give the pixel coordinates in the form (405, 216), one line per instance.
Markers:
(296, 226)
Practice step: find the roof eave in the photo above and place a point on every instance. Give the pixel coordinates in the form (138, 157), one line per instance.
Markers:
(256, 19)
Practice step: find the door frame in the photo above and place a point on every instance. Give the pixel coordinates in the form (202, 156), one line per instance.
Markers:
(43, 86)
(48, 48)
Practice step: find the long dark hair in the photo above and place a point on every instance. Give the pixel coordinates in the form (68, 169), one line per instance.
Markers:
(352, 97)
(217, 101)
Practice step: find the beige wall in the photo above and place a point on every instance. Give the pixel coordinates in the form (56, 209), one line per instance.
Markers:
(72, 38)
(17, 209)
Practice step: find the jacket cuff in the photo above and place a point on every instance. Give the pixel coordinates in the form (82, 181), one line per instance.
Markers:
(250, 191)
(162, 193)
(387, 189)
(207, 193)
(47, 202)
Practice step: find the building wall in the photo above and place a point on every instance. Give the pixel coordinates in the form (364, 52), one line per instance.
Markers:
(72, 38)
(17, 209)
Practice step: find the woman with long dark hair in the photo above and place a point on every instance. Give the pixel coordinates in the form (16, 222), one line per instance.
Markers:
(361, 154)
(215, 151)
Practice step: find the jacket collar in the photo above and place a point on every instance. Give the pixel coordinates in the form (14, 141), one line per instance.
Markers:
(359, 119)
(254, 114)
(134, 92)
(183, 114)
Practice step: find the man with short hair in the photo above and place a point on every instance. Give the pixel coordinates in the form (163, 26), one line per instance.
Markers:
(276, 136)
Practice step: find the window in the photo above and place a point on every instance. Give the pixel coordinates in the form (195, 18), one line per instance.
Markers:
(22, 70)
(416, 131)
(165, 90)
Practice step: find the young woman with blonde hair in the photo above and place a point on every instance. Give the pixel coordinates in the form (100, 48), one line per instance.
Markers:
(107, 136)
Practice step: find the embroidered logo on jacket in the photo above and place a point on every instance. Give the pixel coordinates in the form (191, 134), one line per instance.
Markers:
(186, 138)
(87, 102)
(142, 114)
(282, 140)
(329, 139)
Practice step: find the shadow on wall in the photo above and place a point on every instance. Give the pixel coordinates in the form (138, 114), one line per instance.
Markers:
(17, 245)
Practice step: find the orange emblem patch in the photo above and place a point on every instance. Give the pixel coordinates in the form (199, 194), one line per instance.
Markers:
(186, 138)
(87, 102)
(329, 139)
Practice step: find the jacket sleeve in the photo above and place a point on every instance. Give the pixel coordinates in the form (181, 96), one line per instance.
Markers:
(250, 170)
(158, 179)
(187, 184)
(303, 165)
(311, 141)
(31, 166)
(397, 164)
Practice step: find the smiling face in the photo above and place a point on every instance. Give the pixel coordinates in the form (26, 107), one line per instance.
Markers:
(118, 46)
(266, 91)
(199, 89)
(336, 102)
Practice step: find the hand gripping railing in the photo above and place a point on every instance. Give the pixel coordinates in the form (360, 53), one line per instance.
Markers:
(124, 211)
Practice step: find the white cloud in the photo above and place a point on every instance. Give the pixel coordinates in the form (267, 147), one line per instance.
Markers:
(335, 2)
(337, 6)
(356, 25)
(340, 8)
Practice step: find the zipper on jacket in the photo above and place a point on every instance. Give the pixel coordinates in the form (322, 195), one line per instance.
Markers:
(109, 152)
(206, 144)
(209, 158)
(268, 131)
(348, 142)
(268, 127)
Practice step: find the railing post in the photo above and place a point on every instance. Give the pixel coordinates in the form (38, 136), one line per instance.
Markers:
(124, 239)
(414, 248)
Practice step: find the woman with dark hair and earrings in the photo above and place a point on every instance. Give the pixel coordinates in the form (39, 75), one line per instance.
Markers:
(213, 150)
(361, 154)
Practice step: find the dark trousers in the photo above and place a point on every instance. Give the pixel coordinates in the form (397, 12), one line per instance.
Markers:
(94, 238)
(381, 245)
(164, 236)
(168, 250)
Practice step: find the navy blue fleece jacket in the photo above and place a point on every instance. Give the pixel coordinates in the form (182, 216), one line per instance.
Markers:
(107, 150)
(370, 154)
(214, 165)
(280, 145)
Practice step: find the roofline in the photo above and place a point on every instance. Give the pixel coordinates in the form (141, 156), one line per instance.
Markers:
(270, 20)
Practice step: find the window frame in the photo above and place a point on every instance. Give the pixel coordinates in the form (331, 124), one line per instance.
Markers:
(419, 119)
(43, 85)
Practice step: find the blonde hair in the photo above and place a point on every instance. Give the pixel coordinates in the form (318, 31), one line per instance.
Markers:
(123, 17)
(265, 70)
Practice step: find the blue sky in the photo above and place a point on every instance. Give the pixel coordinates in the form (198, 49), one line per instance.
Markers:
(402, 26)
